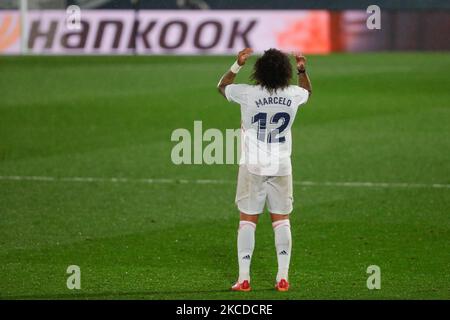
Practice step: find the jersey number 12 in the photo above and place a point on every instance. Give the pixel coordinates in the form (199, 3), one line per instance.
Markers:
(274, 135)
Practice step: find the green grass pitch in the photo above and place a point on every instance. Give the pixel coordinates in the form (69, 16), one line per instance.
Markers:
(372, 118)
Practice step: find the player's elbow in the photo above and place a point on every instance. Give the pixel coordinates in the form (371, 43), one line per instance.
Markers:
(221, 89)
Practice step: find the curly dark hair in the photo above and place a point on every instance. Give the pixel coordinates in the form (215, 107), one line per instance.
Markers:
(272, 70)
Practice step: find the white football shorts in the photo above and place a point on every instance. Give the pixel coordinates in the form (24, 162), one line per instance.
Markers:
(254, 191)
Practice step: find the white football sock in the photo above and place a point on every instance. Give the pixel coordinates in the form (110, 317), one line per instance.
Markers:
(283, 245)
(245, 244)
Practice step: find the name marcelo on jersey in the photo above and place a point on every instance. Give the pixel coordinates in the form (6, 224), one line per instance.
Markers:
(273, 100)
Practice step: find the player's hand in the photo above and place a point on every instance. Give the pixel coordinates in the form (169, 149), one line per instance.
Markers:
(243, 56)
(301, 61)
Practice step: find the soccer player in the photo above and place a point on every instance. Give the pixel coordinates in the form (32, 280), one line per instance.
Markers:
(268, 109)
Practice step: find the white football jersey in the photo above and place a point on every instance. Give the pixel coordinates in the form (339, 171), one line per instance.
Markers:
(266, 121)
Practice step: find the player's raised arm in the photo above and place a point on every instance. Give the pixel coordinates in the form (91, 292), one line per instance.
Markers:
(303, 79)
(228, 77)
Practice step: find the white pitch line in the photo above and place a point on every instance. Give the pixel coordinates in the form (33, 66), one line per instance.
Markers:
(373, 184)
(212, 181)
